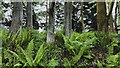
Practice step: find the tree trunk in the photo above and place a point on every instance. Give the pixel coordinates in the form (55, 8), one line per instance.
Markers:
(82, 15)
(116, 15)
(68, 18)
(1, 53)
(102, 17)
(109, 16)
(29, 15)
(111, 24)
(17, 16)
(1, 14)
(50, 24)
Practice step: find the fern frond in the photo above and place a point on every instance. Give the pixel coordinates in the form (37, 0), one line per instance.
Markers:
(53, 63)
(39, 55)
(67, 63)
(17, 56)
(77, 57)
(27, 57)
(30, 49)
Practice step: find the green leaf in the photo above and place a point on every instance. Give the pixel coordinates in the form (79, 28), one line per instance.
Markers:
(114, 44)
(67, 43)
(52, 62)
(29, 49)
(16, 34)
(67, 63)
(99, 64)
(17, 56)
(39, 55)
(17, 65)
(27, 57)
(77, 57)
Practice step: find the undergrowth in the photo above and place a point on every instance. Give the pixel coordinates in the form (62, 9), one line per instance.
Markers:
(89, 49)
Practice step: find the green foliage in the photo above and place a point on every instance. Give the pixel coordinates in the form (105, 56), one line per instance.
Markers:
(99, 64)
(28, 55)
(39, 54)
(107, 42)
(112, 61)
(78, 44)
(24, 47)
(52, 63)
(80, 50)
(81, 46)
(67, 63)
(3, 36)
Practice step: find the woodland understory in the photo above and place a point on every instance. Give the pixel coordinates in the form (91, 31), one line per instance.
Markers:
(60, 34)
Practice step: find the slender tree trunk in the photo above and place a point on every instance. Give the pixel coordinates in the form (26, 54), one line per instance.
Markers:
(50, 28)
(102, 17)
(17, 16)
(116, 15)
(1, 55)
(1, 14)
(29, 15)
(82, 15)
(111, 24)
(109, 16)
(68, 18)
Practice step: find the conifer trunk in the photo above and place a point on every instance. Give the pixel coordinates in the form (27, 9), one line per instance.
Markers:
(17, 16)
(102, 17)
(50, 24)
(29, 15)
(68, 18)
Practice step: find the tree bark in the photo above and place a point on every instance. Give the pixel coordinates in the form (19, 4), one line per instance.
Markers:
(116, 17)
(68, 18)
(111, 24)
(50, 24)
(110, 17)
(1, 15)
(17, 16)
(102, 17)
(82, 15)
(29, 15)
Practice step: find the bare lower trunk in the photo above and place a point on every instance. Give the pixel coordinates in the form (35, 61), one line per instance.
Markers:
(68, 18)
(82, 15)
(50, 28)
(29, 15)
(102, 17)
(111, 24)
(17, 16)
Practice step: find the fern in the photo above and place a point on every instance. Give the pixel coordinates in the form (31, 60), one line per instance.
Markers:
(99, 64)
(67, 63)
(112, 60)
(77, 57)
(39, 54)
(29, 49)
(17, 56)
(67, 43)
(53, 63)
(3, 36)
(28, 58)
(16, 35)
(78, 44)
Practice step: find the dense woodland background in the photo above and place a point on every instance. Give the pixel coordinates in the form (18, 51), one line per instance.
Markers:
(54, 34)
